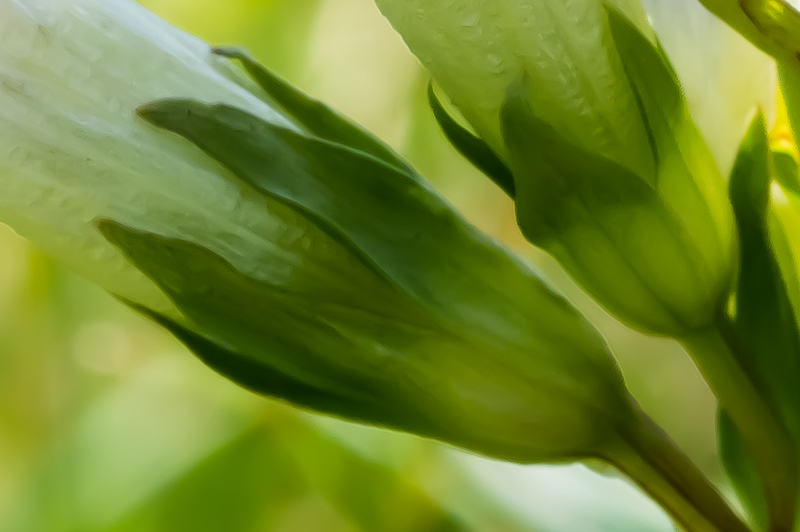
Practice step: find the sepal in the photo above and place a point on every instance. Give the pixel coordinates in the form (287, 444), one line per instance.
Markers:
(391, 219)
(472, 147)
(312, 115)
(472, 344)
(393, 365)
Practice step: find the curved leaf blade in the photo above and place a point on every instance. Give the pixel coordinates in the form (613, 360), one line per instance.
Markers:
(764, 317)
(319, 119)
(764, 324)
(391, 219)
(272, 341)
(473, 148)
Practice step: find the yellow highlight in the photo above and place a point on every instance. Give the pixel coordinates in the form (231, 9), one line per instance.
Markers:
(780, 135)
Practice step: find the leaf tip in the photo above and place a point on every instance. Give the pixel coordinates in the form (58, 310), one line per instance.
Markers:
(230, 52)
(152, 110)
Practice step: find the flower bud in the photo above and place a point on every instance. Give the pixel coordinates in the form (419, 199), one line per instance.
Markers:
(610, 173)
(291, 251)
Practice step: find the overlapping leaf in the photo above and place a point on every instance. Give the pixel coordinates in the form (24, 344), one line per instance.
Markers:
(478, 152)
(763, 328)
(655, 248)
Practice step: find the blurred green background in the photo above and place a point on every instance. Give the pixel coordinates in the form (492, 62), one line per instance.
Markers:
(108, 424)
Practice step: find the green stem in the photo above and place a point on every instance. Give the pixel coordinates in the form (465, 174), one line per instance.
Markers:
(766, 439)
(654, 462)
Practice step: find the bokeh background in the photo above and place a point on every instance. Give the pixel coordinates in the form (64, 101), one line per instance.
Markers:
(108, 424)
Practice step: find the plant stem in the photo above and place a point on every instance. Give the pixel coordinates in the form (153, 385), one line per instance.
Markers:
(766, 439)
(654, 462)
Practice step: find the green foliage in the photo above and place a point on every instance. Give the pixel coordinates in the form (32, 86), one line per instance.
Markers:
(315, 117)
(742, 471)
(764, 319)
(314, 353)
(763, 324)
(472, 147)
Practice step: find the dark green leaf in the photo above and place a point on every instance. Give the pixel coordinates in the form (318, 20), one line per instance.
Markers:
(316, 117)
(763, 326)
(741, 470)
(257, 376)
(764, 317)
(472, 147)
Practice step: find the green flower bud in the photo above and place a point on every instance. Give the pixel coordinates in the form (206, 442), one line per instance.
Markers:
(288, 249)
(610, 174)
(657, 249)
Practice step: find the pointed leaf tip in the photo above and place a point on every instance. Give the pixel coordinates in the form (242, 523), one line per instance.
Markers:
(231, 52)
(161, 112)
(473, 148)
(313, 115)
(751, 175)
(764, 325)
